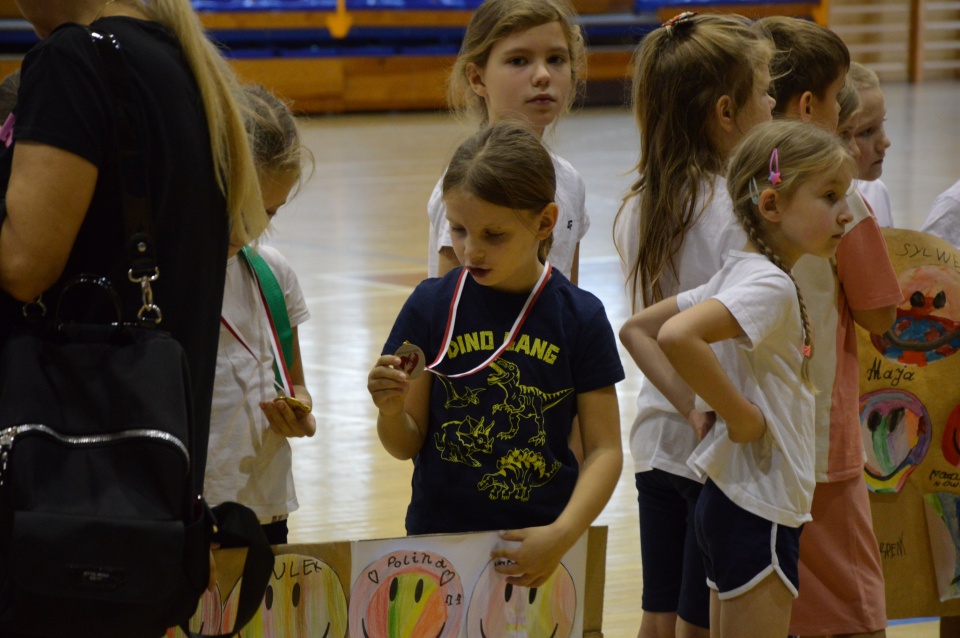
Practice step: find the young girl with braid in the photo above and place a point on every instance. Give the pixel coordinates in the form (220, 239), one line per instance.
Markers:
(788, 184)
(840, 566)
(672, 232)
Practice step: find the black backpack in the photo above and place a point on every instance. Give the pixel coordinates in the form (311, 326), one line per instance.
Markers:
(102, 532)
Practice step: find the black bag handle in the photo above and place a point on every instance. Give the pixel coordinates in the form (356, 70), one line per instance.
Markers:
(100, 283)
(236, 525)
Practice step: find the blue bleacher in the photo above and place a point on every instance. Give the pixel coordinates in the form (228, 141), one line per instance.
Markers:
(330, 5)
(405, 40)
(646, 6)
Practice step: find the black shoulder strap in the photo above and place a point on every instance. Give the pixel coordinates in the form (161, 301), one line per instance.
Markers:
(237, 525)
(135, 187)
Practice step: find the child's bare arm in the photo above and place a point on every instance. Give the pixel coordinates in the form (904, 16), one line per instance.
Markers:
(685, 339)
(542, 548)
(876, 321)
(639, 336)
(404, 407)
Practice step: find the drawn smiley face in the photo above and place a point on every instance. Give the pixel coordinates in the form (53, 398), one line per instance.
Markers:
(896, 436)
(499, 609)
(303, 599)
(927, 327)
(407, 594)
(207, 619)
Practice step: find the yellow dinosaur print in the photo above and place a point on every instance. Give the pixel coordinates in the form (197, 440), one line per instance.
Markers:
(459, 443)
(522, 401)
(517, 474)
(456, 400)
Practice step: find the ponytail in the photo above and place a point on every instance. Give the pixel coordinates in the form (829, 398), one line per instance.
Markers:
(232, 160)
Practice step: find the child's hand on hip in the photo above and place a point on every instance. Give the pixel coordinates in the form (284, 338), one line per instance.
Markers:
(701, 422)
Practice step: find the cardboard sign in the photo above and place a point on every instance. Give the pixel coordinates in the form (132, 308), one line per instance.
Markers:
(909, 398)
(442, 585)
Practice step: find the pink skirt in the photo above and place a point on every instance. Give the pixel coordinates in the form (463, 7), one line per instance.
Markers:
(841, 577)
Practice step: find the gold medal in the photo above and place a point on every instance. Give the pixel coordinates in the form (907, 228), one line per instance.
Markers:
(296, 404)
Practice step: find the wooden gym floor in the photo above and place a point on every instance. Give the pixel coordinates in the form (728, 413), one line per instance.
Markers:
(357, 236)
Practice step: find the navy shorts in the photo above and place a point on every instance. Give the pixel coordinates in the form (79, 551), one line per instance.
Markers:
(740, 549)
(674, 580)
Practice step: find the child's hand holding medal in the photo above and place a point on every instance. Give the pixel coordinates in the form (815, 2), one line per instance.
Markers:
(289, 416)
(412, 360)
(388, 381)
(301, 408)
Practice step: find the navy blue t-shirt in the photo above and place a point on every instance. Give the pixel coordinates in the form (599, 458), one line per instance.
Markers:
(496, 454)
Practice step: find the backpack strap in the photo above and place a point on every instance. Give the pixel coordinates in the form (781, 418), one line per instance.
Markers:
(238, 526)
(276, 304)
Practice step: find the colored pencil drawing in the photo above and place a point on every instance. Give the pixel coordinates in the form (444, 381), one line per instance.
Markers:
(207, 619)
(896, 436)
(304, 599)
(943, 524)
(407, 594)
(500, 609)
(927, 327)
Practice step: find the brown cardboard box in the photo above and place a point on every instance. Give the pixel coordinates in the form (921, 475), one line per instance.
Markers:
(335, 558)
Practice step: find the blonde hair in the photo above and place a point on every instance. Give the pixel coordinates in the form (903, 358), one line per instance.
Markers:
(678, 76)
(803, 151)
(850, 107)
(273, 134)
(863, 79)
(850, 102)
(505, 164)
(232, 160)
(493, 21)
(808, 58)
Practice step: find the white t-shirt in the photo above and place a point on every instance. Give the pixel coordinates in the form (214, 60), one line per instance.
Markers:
(572, 219)
(246, 462)
(660, 438)
(944, 218)
(772, 477)
(878, 197)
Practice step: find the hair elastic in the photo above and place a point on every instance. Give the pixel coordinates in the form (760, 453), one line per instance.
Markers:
(680, 19)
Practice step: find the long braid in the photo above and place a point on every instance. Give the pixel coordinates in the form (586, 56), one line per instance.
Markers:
(755, 235)
(782, 155)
